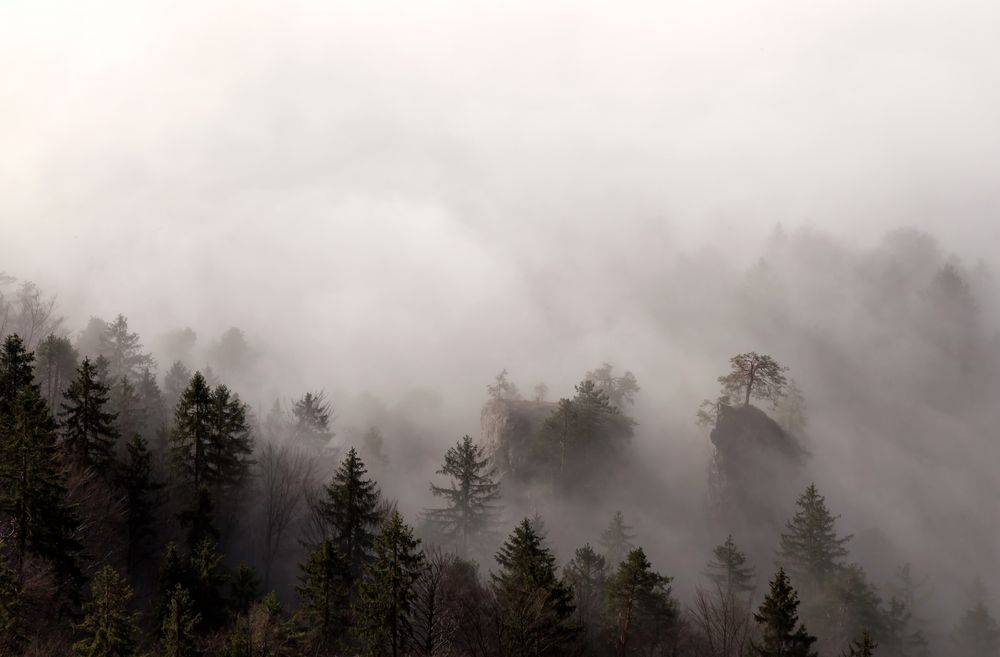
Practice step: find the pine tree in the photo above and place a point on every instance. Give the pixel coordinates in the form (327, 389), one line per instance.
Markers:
(781, 634)
(32, 478)
(325, 588)
(11, 635)
(174, 382)
(863, 647)
(128, 408)
(350, 508)
(312, 420)
(142, 498)
(179, 638)
(244, 589)
(728, 569)
(470, 511)
(616, 540)
(89, 432)
(387, 590)
(192, 433)
(534, 605)
(151, 404)
(123, 349)
(811, 550)
(587, 574)
(108, 627)
(640, 606)
(56, 362)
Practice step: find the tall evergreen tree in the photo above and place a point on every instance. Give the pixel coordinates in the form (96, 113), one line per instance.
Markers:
(728, 568)
(55, 364)
(312, 420)
(153, 408)
(123, 349)
(32, 478)
(470, 497)
(227, 453)
(108, 628)
(89, 432)
(616, 540)
(325, 590)
(781, 634)
(127, 407)
(350, 508)
(198, 519)
(179, 630)
(192, 433)
(175, 381)
(244, 589)
(642, 612)
(587, 574)
(387, 590)
(811, 549)
(863, 647)
(142, 499)
(534, 605)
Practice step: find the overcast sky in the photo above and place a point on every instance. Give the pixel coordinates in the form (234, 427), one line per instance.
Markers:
(374, 176)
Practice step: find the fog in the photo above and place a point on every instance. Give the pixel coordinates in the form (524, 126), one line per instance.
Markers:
(396, 202)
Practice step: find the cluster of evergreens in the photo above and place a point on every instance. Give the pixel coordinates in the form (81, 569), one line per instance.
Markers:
(124, 531)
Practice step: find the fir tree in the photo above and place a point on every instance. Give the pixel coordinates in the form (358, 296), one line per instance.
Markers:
(863, 647)
(387, 590)
(142, 498)
(179, 637)
(227, 454)
(470, 498)
(811, 550)
(325, 586)
(123, 349)
(640, 606)
(108, 627)
(616, 540)
(728, 569)
(312, 420)
(350, 508)
(587, 574)
(244, 589)
(781, 634)
(534, 605)
(128, 408)
(55, 364)
(192, 433)
(153, 409)
(89, 432)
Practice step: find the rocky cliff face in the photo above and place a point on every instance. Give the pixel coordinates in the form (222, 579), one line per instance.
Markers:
(508, 429)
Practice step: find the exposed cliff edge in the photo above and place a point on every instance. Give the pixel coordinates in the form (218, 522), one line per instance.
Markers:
(508, 430)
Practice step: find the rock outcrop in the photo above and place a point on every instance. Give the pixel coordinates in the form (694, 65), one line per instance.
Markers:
(509, 430)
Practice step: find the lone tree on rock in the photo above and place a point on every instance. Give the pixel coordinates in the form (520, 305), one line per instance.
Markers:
(754, 375)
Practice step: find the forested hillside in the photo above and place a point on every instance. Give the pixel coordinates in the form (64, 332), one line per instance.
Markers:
(798, 460)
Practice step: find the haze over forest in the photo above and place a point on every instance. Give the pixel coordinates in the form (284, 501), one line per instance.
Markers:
(384, 207)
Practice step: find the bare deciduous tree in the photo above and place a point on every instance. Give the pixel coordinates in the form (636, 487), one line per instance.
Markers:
(285, 477)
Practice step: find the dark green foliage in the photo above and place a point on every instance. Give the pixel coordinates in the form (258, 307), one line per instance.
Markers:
(753, 375)
(325, 588)
(781, 634)
(142, 499)
(244, 589)
(127, 407)
(312, 420)
(587, 575)
(534, 607)
(350, 509)
(616, 540)
(108, 628)
(863, 647)
(153, 410)
(642, 614)
(728, 569)
(192, 433)
(11, 634)
(179, 636)
(227, 454)
(32, 477)
(199, 519)
(581, 436)
(55, 366)
(89, 432)
(470, 511)
(388, 589)
(810, 549)
(207, 579)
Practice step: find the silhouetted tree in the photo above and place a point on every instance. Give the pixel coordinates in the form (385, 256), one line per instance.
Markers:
(142, 499)
(89, 432)
(642, 612)
(620, 390)
(729, 570)
(502, 389)
(350, 509)
(312, 419)
(470, 510)
(325, 590)
(587, 574)
(781, 634)
(754, 375)
(123, 349)
(55, 367)
(616, 540)
(810, 547)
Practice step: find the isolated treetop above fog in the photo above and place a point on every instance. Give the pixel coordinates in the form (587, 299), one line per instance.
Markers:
(754, 375)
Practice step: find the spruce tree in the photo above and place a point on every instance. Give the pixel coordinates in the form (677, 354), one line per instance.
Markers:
(179, 636)
(470, 510)
(616, 540)
(312, 420)
(350, 508)
(325, 590)
(108, 628)
(863, 647)
(142, 499)
(728, 569)
(781, 634)
(640, 607)
(32, 477)
(127, 407)
(587, 574)
(227, 454)
(388, 589)
(534, 605)
(244, 589)
(89, 432)
(153, 408)
(123, 349)
(811, 549)
(55, 365)
(192, 433)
